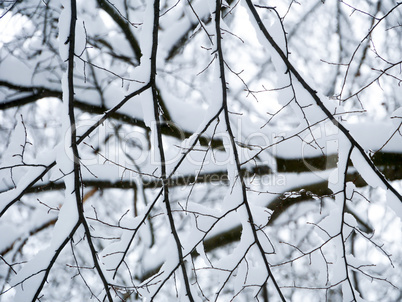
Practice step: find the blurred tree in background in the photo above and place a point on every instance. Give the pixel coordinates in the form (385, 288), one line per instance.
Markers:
(200, 150)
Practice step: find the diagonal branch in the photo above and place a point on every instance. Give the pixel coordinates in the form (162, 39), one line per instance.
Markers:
(123, 24)
(318, 101)
(53, 260)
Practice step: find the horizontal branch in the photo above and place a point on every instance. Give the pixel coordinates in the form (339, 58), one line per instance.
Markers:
(387, 163)
(38, 93)
(278, 205)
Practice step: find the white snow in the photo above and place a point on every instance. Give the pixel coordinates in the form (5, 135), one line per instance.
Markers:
(394, 203)
(365, 170)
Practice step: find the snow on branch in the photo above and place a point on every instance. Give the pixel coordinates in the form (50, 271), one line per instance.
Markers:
(177, 150)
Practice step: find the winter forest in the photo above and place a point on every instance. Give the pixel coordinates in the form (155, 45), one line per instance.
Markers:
(200, 150)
